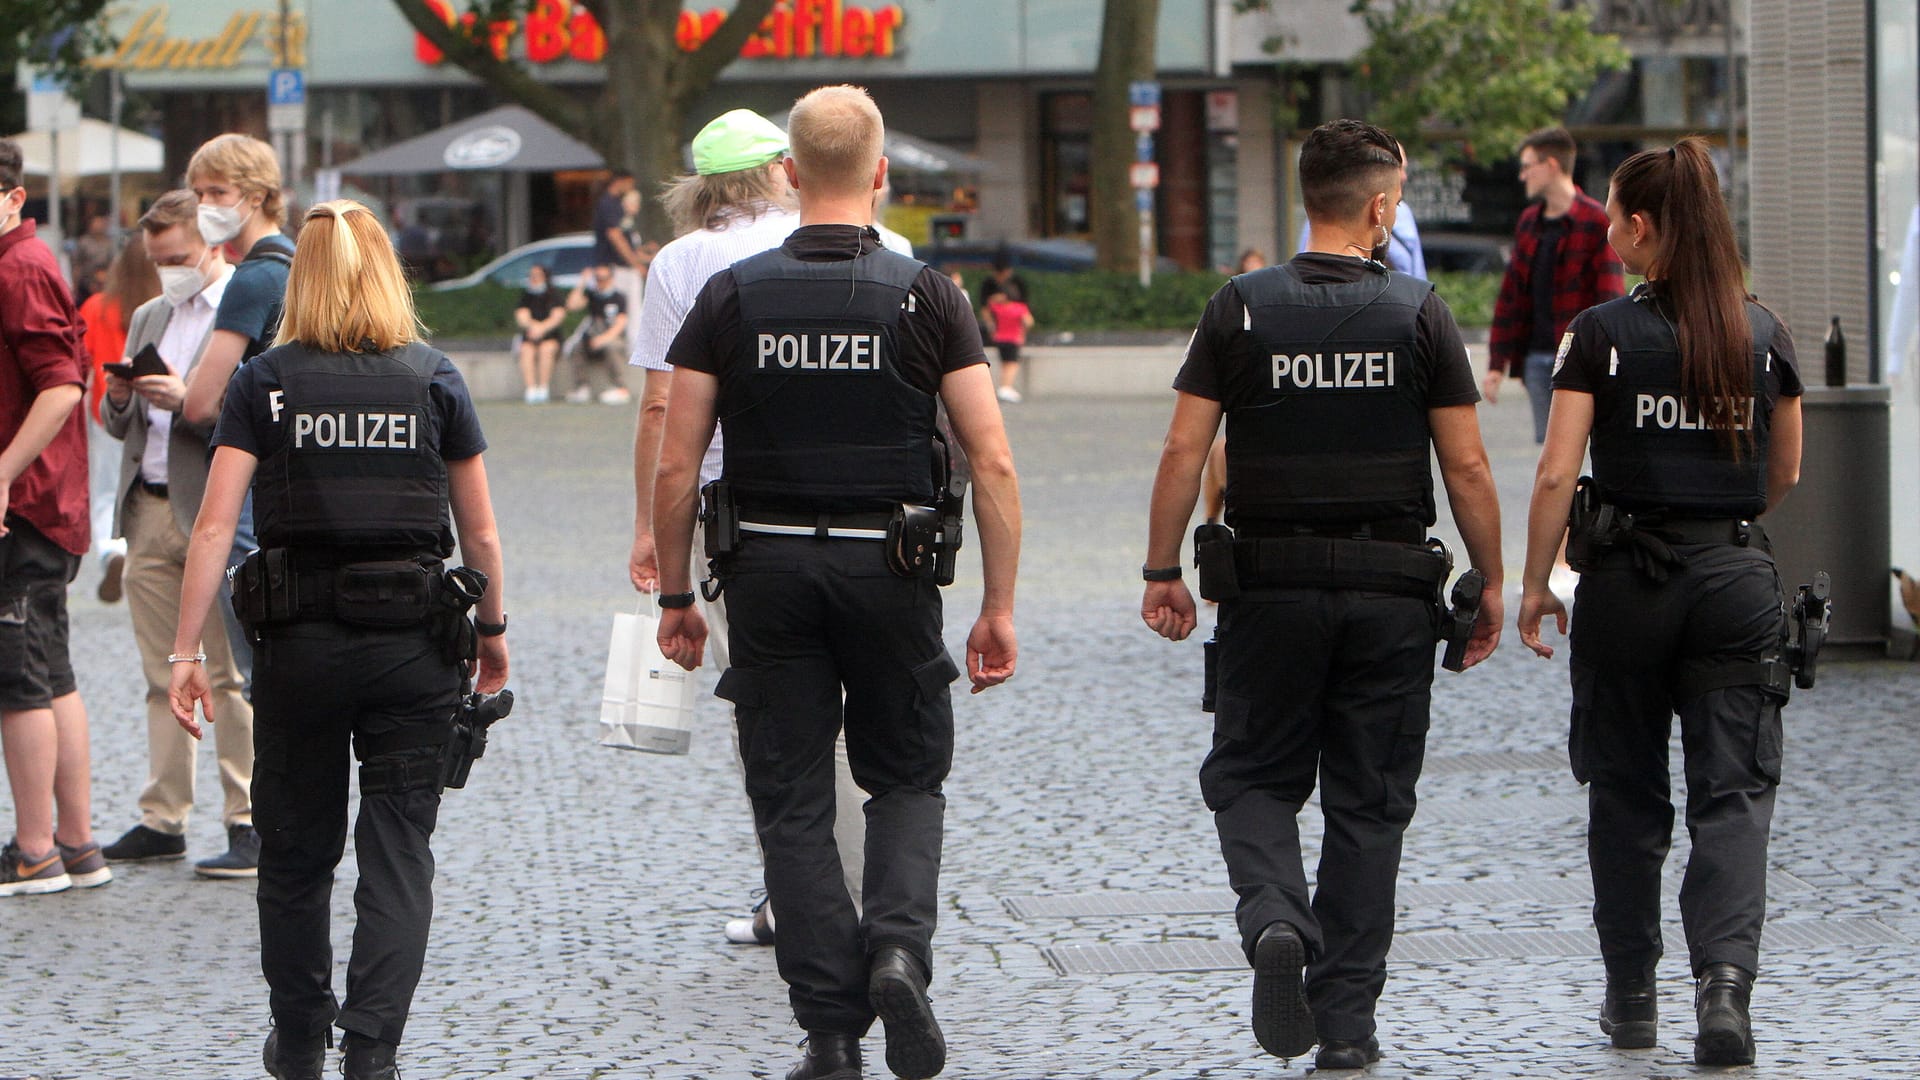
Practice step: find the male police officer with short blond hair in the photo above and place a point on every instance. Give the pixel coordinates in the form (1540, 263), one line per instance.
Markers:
(1338, 379)
(824, 361)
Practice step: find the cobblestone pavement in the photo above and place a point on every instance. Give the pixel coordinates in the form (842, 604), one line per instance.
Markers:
(581, 890)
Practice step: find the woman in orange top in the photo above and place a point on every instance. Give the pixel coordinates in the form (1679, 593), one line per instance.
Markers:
(131, 281)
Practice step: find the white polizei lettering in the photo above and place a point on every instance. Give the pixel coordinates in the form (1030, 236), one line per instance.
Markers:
(837, 360)
(791, 351)
(1669, 413)
(355, 431)
(1354, 376)
(276, 401)
(302, 427)
(837, 352)
(370, 435)
(1333, 371)
(866, 352)
(768, 343)
(1377, 368)
(1769, 360)
(1246, 318)
(1613, 362)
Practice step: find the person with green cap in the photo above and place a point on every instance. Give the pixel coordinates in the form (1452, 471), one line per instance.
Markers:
(734, 204)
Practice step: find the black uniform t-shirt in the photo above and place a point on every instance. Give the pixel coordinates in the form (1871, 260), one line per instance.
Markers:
(247, 420)
(1222, 339)
(936, 333)
(1585, 354)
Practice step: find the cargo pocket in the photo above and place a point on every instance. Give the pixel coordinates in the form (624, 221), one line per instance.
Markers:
(760, 756)
(1769, 738)
(13, 651)
(1232, 717)
(1580, 722)
(1406, 751)
(933, 715)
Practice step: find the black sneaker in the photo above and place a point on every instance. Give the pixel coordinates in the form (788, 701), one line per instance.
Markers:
(141, 844)
(242, 857)
(1346, 1054)
(85, 865)
(363, 1058)
(1281, 1019)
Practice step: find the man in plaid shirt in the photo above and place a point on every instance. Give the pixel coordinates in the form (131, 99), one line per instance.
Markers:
(1561, 266)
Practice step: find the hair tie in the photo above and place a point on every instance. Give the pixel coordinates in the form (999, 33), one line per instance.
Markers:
(1671, 154)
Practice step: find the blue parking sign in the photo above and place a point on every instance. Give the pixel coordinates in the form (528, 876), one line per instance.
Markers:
(1143, 93)
(287, 86)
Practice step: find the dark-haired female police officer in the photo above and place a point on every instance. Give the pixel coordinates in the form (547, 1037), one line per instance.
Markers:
(1687, 395)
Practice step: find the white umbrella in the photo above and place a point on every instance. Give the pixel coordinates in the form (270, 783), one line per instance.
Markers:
(88, 151)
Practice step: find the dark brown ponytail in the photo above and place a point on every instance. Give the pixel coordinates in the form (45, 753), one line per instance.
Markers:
(1700, 278)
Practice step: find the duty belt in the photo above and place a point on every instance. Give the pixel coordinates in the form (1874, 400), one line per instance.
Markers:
(1740, 532)
(1335, 563)
(1392, 531)
(854, 526)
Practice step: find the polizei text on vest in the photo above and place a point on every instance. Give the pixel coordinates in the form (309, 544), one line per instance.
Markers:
(1334, 371)
(354, 430)
(820, 352)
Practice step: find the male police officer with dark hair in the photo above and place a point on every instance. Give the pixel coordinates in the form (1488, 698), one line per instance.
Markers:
(824, 361)
(1335, 375)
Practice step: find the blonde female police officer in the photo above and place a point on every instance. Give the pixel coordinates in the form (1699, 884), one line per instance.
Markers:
(346, 521)
(1687, 396)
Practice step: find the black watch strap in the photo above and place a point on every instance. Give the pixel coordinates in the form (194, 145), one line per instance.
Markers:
(676, 600)
(491, 629)
(1164, 573)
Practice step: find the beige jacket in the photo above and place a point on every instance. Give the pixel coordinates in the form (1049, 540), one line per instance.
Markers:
(188, 456)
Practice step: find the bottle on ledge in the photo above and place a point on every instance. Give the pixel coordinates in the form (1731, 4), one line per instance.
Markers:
(1836, 355)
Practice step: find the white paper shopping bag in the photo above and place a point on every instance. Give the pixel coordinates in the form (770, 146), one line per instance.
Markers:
(647, 703)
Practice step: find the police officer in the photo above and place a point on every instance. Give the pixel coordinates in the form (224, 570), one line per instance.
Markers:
(1335, 374)
(822, 360)
(1687, 395)
(355, 437)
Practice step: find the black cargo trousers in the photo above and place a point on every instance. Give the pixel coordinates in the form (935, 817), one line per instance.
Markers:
(1635, 644)
(319, 688)
(808, 620)
(1336, 682)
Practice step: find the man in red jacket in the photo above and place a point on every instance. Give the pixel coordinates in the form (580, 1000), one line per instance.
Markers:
(43, 534)
(1561, 266)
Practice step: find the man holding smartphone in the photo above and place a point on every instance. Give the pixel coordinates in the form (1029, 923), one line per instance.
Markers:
(164, 473)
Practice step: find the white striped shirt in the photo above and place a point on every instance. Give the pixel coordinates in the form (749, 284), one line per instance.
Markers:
(681, 270)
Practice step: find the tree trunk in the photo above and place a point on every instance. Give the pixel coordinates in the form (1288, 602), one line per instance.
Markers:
(1127, 33)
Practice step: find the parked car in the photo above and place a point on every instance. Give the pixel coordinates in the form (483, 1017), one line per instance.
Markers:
(1052, 253)
(566, 257)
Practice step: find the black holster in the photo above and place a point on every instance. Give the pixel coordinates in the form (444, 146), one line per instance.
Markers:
(478, 712)
(1808, 621)
(1594, 526)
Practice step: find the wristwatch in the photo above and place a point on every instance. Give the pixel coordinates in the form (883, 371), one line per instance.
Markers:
(1162, 573)
(491, 629)
(676, 600)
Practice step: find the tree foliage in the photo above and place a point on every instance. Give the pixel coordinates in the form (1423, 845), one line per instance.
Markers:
(637, 117)
(1484, 72)
(53, 35)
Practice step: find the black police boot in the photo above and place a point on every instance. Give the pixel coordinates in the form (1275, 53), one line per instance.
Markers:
(287, 1058)
(1345, 1054)
(1630, 1013)
(1281, 1020)
(1721, 1001)
(897, 989)
(365, 1058)
(830, 1056)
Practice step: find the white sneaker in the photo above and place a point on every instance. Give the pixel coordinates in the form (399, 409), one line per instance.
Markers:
(615, 395)
(1009, 395)
(757, 930)
(579, 395)
(532, 395)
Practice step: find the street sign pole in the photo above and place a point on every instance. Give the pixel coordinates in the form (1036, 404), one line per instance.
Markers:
(287, 119)
(1143, 116)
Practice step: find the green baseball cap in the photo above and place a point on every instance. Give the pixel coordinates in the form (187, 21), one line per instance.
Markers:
(740, 139)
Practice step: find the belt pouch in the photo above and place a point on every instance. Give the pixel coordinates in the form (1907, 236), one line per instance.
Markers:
(383, 594)
(913, 538)
(1213, 558)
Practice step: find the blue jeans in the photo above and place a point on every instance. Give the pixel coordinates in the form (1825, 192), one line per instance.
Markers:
(1539, 379)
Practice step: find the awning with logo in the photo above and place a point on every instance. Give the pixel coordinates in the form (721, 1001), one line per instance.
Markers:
(508, 139)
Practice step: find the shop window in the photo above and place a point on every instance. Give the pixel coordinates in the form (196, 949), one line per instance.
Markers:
(1066, 163)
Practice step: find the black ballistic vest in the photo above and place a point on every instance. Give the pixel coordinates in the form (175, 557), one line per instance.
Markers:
(814, 409)
(1650, 449)
(1328, 426)
(358, 464)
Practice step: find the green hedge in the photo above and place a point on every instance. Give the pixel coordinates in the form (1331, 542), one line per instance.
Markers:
(1079, 302)
(484, 311)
